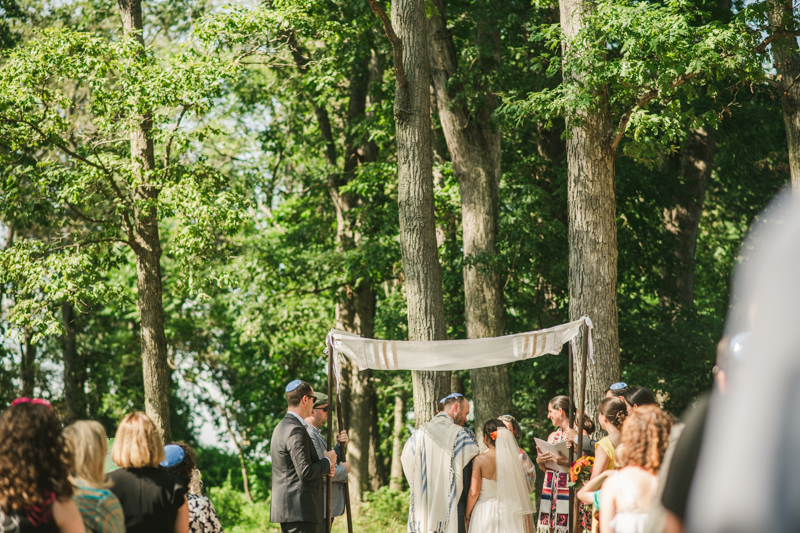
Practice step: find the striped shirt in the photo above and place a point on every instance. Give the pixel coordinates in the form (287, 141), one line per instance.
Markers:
(100, 510)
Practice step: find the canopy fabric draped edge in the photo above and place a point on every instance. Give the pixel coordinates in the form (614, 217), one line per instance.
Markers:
(452, 354)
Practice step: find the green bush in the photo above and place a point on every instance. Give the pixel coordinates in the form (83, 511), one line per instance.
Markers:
(236, 514)
(384, 511)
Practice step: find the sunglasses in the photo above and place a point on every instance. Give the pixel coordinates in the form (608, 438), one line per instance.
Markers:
(313, 398)
(324, 409)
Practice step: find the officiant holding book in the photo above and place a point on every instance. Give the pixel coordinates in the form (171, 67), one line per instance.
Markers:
(554, 509)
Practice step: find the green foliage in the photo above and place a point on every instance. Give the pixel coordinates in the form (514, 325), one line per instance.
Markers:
(384, 510)
(238, 515)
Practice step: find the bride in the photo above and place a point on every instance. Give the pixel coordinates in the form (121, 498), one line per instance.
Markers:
(498, 496)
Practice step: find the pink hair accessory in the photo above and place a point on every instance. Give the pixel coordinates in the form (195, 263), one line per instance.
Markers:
(31, 400)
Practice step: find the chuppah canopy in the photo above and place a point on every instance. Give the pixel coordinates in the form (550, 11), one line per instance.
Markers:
(452, 354)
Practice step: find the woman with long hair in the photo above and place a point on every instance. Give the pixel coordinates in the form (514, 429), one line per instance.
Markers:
(627, 497)
(98, 506)
(554, 508)
(154, 501)
(183, 462)
(35, 491)
(498, 496)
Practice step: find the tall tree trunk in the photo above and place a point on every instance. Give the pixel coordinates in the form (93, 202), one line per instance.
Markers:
(28, 364)
(683, 219)
(421, 268)
(396, 476)
(592, 227)
(786, 59)
(147, 247)
(74, 396)
(474, 145)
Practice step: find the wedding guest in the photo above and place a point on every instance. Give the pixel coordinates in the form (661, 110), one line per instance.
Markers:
(628, 496)
(527, 465)
(616, 390)
(35, 491)
(611, 413)
(638, 396)
(554, 508)
(99, 507)
(180, 459)
(153, 501)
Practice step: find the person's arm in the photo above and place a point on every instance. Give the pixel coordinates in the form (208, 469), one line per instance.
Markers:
(474, 490)
(600, 462)
(342, 469)
(608, 506)
(301, 456)
(182, 518)
(68, 517)
(586, 494)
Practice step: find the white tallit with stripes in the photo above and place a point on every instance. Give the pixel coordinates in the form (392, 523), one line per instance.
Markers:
(433, 460)
(452, 355)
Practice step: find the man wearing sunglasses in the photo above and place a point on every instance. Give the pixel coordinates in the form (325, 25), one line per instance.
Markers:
(297, 468)
(315, 423)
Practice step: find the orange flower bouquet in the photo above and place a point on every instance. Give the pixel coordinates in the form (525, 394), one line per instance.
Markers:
(581, 471)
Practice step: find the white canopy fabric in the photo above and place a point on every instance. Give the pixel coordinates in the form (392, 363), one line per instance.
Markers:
(455, 354)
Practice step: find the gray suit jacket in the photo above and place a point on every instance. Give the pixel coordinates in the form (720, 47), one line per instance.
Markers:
(297, 473)
(337, 502)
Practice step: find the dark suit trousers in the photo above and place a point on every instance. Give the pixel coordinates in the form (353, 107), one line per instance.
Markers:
(300, 527)
(462, 501)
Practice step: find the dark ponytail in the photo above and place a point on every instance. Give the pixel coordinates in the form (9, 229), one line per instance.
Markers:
(490, 427)
(615, 411)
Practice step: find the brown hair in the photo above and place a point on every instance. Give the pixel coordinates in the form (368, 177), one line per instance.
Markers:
(461, 400)
(33, 457)
(293, 398)
(137, 443)
(516, 429)
(615, 411)
(188, 468)
(87, 442)
(645, 435)
(491, 426)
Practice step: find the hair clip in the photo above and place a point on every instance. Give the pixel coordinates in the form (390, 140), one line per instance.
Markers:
(31, 400)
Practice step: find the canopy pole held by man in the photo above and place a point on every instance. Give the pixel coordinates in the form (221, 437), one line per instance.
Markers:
(328, 503)
(581, 413)
(571, 356)
(344, 454)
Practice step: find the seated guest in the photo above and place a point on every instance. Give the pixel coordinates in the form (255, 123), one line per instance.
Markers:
(627, 497)
(154, 501)
(617, 390)
(638, 396)
(181, 460)
(35, 491)
(99, 507)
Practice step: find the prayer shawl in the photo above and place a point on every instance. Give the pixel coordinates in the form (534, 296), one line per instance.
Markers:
(433, 462)
(554, 509)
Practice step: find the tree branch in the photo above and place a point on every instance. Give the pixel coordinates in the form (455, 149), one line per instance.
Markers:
(642, 101)
(66, 150)
(397, 43)
(85, 216)
(762, 47)
(172, 135)
(91, 241)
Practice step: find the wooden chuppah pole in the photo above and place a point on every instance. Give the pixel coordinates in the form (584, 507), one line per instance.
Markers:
(328, 519)
(582, 407)
(571, 355)
(344, 454)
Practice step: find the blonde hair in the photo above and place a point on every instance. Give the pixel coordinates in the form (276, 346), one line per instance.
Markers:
(137, 443)
(86, 440)
(645, 435)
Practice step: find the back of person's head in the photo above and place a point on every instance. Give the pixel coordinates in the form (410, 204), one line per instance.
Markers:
(33, 457)
(561, 402)
(639, 396)
(188, 468)
(87, 440)
(452, 399)
(137, 443)
(490, 428)
(294, 397)
(617, 389)
(588, 424)
(516, 429)
(645, 435)
(614, 410)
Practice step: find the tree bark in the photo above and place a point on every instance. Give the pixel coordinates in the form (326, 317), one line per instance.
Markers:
(147, 247)
(474, 145)
(74, 396)
(786, 60)
(396, 476)
(28, 364)
(683, 219)
(421, 268)
(592, 227)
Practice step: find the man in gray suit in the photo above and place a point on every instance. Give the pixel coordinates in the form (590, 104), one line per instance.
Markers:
(297, 468)
(315, 422)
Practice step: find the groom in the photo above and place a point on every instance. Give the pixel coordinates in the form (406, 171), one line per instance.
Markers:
(437, 462)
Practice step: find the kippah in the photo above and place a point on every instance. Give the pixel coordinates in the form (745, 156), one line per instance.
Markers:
(619, 385)
(454, 395)
(173, 455)
(293, 385)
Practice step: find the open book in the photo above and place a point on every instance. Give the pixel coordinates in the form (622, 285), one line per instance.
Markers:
(545, 447)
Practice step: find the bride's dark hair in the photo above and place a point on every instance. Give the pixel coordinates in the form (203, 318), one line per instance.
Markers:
(490, 427)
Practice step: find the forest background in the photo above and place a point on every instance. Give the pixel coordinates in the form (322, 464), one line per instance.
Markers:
(194, 193)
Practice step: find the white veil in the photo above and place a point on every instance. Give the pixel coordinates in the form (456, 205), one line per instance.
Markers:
(512, 487)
